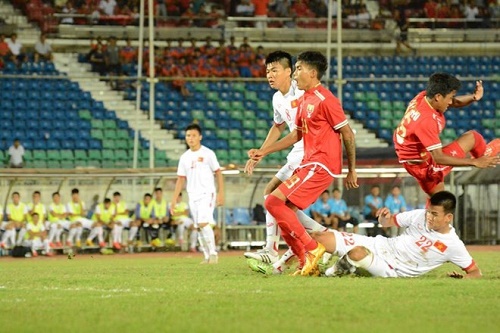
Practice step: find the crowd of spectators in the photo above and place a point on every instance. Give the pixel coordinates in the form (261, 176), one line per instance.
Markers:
(301, 13)
(181, 59)
(12, 50)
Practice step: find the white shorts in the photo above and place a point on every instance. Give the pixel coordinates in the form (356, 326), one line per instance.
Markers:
(35, 244)
(293, 162)
(186, 222)
(86, 223)
(66, 224)
(49, 224)
(346, 241)
(125, 222)
(202, 209)
(3, 225)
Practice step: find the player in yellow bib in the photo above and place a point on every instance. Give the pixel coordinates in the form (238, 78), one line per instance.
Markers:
(16, 221)
(180, 222)
(161, 211)
(56, 220)
(121, 215)
(76, 214)
(36, 207)
(103, 216)
(145, 217)
(36, 236)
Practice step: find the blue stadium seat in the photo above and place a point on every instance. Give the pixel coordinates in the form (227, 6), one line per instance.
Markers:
(81, 144)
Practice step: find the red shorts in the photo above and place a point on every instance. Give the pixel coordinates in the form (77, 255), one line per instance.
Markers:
(306, 185)
(428, 173)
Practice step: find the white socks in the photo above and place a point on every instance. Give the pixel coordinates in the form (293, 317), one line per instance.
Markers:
(20, 236)
(72, 234)
(272, 234)
(309, 224)
(193, 238)
(132, 233)
(117, 233)
(52, 232)
(208, 235)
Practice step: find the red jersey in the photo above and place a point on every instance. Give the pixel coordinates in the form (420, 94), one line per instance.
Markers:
(319, 118)
(418, 132)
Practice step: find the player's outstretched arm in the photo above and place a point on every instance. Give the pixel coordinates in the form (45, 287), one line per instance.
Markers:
(464, 100)
(287, 141)
(472, 273)
(350, 148)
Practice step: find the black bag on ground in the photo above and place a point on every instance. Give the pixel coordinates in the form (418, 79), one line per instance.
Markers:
(20, 251)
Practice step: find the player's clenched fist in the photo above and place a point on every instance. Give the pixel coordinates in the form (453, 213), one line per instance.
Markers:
(255, 154)
(249, 166)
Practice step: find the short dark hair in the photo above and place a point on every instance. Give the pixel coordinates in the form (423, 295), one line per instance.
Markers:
(54, 194)
(37, 192)
(14, 193)
(282, 57)
(194, 127)
(375, 186)
(445, 199)
(325, 191)
(316, 60)
(117, 194)
(34, 213)
(441, 83)
(336, 189)
(158, 189)
(148, 195)
(107, 200)
(75, 191)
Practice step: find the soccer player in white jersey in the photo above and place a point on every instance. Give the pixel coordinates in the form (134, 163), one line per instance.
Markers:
(285, 103)
(428, 241)
(197, 167)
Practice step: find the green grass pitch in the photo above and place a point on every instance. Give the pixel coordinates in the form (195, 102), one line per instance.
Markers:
(174, 293)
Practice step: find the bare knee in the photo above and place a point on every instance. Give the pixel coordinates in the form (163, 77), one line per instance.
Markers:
(357, 253)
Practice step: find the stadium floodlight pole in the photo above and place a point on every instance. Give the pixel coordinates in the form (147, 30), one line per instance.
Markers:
(339, 49)
(329, 40)
(139, 81)
(152, 81)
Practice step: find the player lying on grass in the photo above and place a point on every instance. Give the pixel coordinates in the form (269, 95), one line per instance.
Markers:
(428, 241)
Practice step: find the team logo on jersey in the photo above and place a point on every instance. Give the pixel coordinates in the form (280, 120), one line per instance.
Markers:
(294, 103)
(310, 110)
(440, 246)
(200, 159)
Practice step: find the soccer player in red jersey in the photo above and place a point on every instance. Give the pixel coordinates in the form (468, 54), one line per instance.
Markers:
(320, 122)
(417, 141)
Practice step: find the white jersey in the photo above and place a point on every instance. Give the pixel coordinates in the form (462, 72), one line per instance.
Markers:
(198, 167)
(285, 110)
(419, 250)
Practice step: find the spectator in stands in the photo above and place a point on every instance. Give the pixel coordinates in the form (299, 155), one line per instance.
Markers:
(16, 222)
(69, 11)
(113, 62)
(339, 214)
(107, 7)
(455, 14)
(16, 153)
(322, 208)
(443, 13)
(128, 53)
(396, 203)
(373, 202)
(363, 18)
(98, 60)
(245, 58)
(470, 13)
(187, 18)
(43, 50)
(214, 16)
(161, 8)
(16, 50)
(402, 37)
(430, 9)
(233, 70)
(245, 9)
(260, 12)
(36, 236)
(4, 49)
(56, 220)
(145, 217)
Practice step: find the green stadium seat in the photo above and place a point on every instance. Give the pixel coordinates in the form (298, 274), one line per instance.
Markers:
(121, 144)
(239, 86)
(110, 134)
(212, 96)
(222, 154)
(109, 144)
(222, 133)
(198, 114)
(39, 164)
(235, 134)
(224, 105)
(52, 164)
(39, 155)
(248, 144)
(97, 134)
(109, 164)
(53, 155)
(398, 114)
(373, 105)
(386, 123)
(264, 105)
(251, 96)
(122, 134)
(385, 114)
(399, 106)
(360, 96)
(81, 155)
(262, 124)
(67, 155)
(372, 96)
(68, 164)
(95, 154)
(28, 155)
(385, 105)
(235, 144)
(395, 122)
(209, 124)
(109, 124)
(85, 114)
(249, 115)
(250, 124)
(97, 124)
(236, 114)
(237, 105)
(497, 132)
(94, 163)
(200, 86)
(121, 155)
(236, 156)
(449, 133)
(108, 154)
(261, 133)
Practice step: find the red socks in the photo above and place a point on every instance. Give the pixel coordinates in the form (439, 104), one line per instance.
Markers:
(289, 223)
(479, 145)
